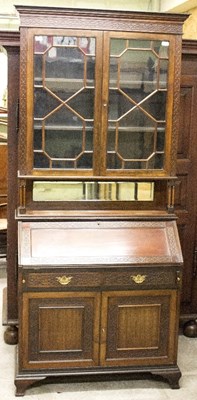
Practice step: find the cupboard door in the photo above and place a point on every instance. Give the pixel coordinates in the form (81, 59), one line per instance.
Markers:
(101, 103)
(139, 328)
(64, 70)
(138, 99)
(59, 330)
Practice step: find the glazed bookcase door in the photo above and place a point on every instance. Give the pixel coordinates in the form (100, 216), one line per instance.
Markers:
(98, 104)
(137, 92)
(63, 89)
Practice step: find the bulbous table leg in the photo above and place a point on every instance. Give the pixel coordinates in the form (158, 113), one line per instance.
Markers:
(11, 335)
(190, 328)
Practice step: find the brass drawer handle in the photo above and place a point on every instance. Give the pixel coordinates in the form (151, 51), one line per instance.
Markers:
(138, 278)
(64, 280)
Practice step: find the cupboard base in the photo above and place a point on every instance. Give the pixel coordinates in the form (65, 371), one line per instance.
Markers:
(24, 381)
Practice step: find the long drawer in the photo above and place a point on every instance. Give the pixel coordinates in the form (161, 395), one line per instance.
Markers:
(144, 277)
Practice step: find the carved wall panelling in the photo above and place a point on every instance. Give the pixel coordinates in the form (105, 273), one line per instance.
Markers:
(186, 192)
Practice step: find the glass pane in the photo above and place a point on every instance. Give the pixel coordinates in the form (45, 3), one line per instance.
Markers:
(158, 160)
(137, 70)
(64, 74)
(63, 144)
(135, 145)
(119, 104)
(41, 160)
(89, 140)
(85, 160)
(163, 49)
(163, 74)
(63, 117)
(136, 119)
(42, 43)
(138, 76)
(87, 45)
(113, 73)
(90, 71)
(113, 161)
(111, 142)
(155, 105)
(66, 61)
(38, 139)
(38, 68)
(62, 164)
(96, 191)
(136, 164)
(160, 138)
(83, 103)
(117, 46)
(143, 44)
(63, 90)
(44, 102)
(64, 41)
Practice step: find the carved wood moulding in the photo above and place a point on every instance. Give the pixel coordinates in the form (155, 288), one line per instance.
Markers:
(189, 46)
(176, 105)
(9, 38)
(100, 19)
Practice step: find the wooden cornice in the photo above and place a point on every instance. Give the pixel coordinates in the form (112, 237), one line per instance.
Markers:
(189, 46)
(9, 38)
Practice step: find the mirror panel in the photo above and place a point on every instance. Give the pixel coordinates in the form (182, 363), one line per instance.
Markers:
(95, 191)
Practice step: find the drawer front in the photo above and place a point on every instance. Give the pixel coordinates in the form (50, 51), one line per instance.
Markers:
(101, 278)
(144, 278)
(61, 279)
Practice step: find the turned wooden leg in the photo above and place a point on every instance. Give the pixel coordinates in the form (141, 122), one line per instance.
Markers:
(190, 328)
(11, 335)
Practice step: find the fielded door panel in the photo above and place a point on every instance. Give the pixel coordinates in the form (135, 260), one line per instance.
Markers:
(59, 330)
(139, 328)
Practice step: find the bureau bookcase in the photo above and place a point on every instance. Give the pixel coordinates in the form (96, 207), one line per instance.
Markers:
(99, 259)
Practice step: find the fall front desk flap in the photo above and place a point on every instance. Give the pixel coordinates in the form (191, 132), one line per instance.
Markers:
(98, 242)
